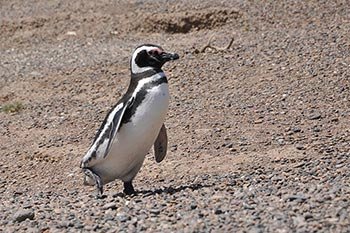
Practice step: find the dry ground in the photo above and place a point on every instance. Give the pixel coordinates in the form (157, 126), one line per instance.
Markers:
(258, 133)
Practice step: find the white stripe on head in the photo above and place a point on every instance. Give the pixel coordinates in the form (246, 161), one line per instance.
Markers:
(134, 67)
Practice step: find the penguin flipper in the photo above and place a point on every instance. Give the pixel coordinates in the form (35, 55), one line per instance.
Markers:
(160, 145)
(106, 134)
(116, 123)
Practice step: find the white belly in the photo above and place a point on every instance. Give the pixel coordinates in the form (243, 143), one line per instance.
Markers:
(135, 139)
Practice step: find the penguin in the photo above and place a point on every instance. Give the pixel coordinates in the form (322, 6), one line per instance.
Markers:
(133, 125)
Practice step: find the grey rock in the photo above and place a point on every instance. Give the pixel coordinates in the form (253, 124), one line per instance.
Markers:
(218, 211)
(111, 205)
(299, 198)
(296, 129)
(79, 226)
(66, 224)
(299, 147)
(299, 221)
(154, 211)
(247, 206)
(123, 217)
(308, 216)
(193, 206)
(314, 115)
(22, 215)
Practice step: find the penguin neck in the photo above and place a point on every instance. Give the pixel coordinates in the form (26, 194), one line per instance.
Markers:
(154, 75)
(145, 74)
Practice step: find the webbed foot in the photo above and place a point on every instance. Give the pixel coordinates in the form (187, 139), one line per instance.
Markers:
(128, 188)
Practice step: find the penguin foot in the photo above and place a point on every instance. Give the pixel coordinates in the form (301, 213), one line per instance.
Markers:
(128, 188)
(98, 182)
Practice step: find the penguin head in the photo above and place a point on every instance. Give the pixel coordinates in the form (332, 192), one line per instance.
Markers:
(149, 56)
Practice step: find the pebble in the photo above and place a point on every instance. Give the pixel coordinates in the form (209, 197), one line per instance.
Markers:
(299, 146)
(23, 214)
(280, 141)
(123, 217)
(193, 206)
(298, 198)
(154, 211)
(218, 211)
(111, 205)
(248, 207)
(314, 116)
(296, 129)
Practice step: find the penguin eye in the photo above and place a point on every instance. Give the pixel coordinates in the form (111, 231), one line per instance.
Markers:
(153, 52)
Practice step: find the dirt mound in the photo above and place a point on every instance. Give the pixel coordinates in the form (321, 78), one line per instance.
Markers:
(184, 22)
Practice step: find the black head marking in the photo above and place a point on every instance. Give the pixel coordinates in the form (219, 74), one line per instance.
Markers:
(149, 56)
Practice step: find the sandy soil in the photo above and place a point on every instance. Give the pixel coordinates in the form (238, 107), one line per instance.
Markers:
(259, 133)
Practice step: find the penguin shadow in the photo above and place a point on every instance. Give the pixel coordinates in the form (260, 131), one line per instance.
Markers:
(164, 190)
(171, 190)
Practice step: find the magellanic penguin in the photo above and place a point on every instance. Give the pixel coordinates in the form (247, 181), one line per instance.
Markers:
(133, 125)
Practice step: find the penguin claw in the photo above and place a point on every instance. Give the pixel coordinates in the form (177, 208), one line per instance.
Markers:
(99, 192)
(98, 182)
(100, 196)
(99, 185)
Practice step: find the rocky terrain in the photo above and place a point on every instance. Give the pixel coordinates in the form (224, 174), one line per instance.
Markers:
(258, 131)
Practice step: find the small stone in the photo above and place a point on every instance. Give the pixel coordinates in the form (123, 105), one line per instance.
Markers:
(154, 211)
(27, 206)
(79, 226)
(131, 228)
(299, 198)
(32, 230)
(280, 141)
(314, 116)
(123, 217)
(133, 221)
(299, 221)
(296, 129)
(259, 121)
(299, 147)
(308, 216)
(71, 33)
(111, 205)
(17, 193)
(316, 129)
(66, 224)
(232, 149)
(22, 215)
(284, 97)
(299, 165)
(218, 211)
(36, 74)
(247, 207)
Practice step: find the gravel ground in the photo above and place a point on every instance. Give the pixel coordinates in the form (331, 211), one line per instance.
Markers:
(259, 133)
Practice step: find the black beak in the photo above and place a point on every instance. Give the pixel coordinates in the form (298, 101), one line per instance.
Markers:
(169, 56)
